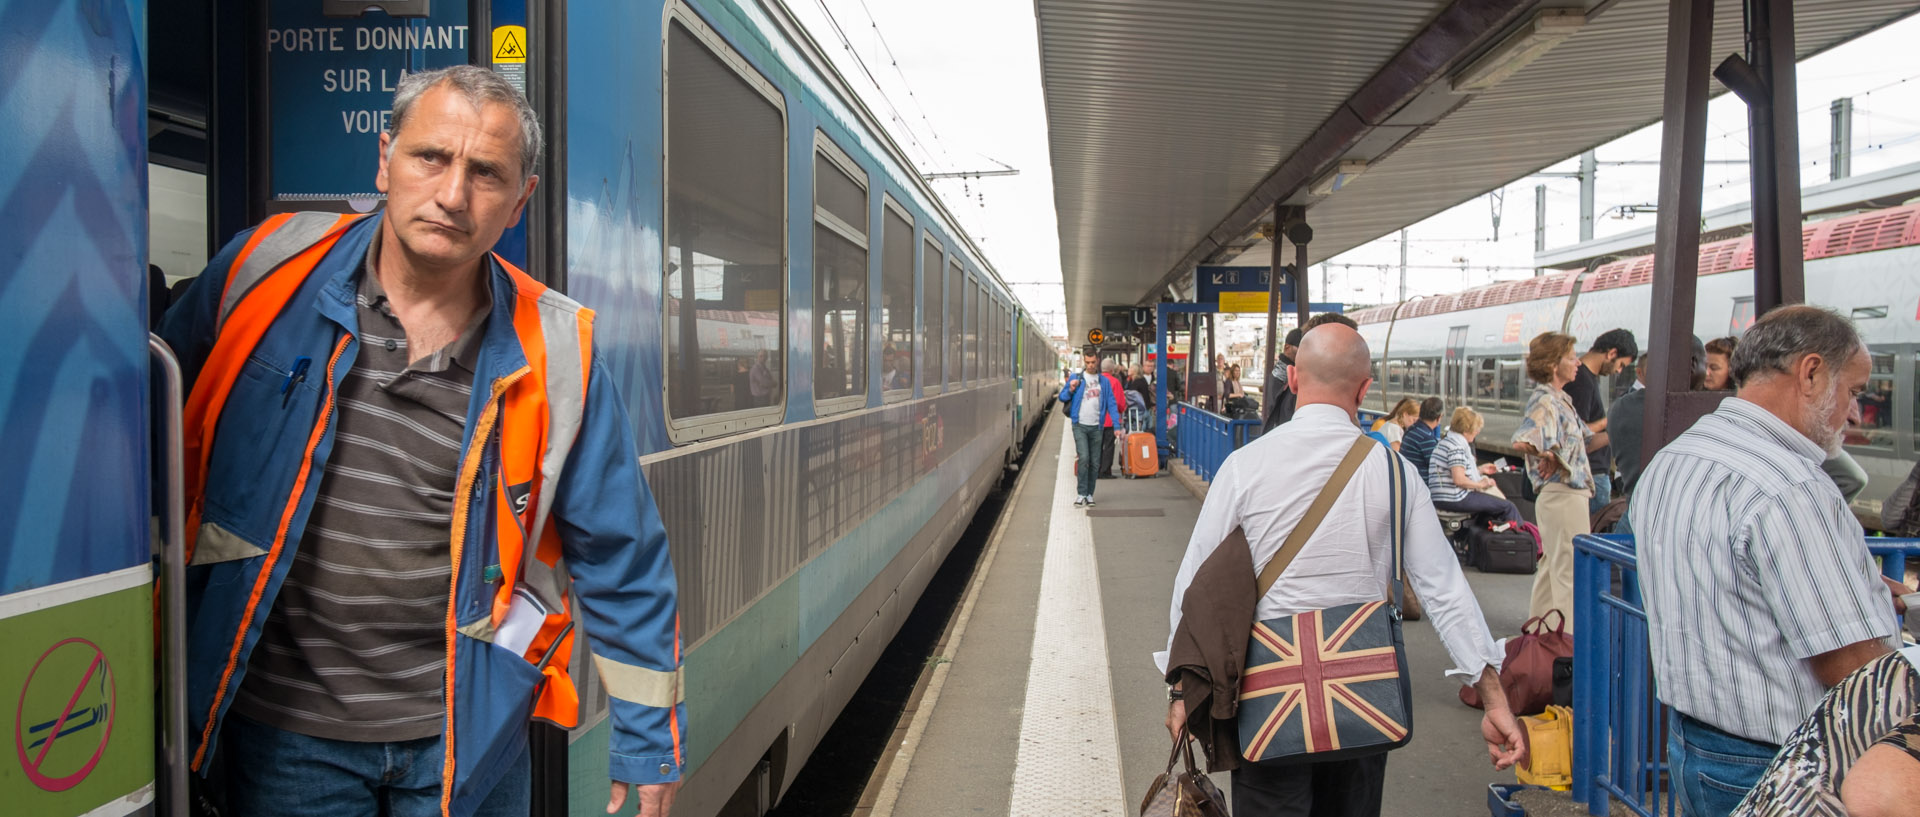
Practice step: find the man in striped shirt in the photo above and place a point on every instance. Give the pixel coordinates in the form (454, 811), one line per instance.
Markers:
(1760, 593)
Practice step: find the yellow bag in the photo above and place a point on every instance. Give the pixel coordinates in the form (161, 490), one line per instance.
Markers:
(1550, 749)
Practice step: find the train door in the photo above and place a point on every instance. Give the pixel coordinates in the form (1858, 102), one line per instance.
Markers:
(1453, 375)
(76, 581)
(266, 107)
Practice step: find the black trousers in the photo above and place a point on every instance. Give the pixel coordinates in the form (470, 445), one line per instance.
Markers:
(1106, 452)
(1341, 788)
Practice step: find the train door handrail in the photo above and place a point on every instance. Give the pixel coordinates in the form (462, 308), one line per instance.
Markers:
(173, 562)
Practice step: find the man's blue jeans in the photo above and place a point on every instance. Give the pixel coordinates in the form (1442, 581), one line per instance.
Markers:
(1086, 449)
(1602, 493)
(1712, 770)
(286, 774)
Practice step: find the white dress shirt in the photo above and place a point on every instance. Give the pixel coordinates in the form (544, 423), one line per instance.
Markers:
(1266, 487)
(1750, 563)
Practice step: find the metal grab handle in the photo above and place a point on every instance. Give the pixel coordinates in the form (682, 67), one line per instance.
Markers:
(173, 559)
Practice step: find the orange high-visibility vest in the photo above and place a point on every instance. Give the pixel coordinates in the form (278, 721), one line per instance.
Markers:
(536, 411)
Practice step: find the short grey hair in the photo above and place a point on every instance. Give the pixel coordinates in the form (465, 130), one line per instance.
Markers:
(1107, 366)
(1786, 335)
(481, 87)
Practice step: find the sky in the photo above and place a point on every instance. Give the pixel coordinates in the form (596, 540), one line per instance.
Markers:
(959, 86)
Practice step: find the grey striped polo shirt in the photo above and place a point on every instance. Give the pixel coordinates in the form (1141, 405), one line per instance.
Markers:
(1751, 564)
(354, 648)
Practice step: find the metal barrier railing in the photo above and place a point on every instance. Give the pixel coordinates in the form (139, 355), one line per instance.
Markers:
(1206, 438)
(1619, 723)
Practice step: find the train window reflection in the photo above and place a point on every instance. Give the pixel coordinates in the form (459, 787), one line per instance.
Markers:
(896, 300)
(839, 275)
(956, 321)
(1486, 382)
(933, 290)
(976, 310)
(1875, 429)
(726, 236)
(1510, 383)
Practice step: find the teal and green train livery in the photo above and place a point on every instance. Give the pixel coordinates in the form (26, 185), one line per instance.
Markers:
(825, 374)
(76, 624)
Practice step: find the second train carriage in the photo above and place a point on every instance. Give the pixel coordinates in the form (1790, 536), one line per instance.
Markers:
(825, 375)
(1470, 348)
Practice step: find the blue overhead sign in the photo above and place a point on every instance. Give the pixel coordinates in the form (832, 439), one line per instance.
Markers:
(331, 87)
(1209, 282)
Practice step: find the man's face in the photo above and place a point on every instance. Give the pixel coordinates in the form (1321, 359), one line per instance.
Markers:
(452, 178)
(1090, 364)
(1618, 364)
(1828, 408)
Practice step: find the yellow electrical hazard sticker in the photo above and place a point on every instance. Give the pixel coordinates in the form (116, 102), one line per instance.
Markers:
(510, 44)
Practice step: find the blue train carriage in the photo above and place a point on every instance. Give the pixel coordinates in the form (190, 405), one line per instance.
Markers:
(76, 592)
(808, 504)
(1470, 348)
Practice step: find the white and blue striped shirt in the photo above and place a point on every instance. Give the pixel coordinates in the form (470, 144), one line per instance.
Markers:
(1751, 564)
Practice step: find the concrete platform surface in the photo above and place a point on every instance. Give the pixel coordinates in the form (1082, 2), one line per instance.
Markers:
(1051, 703)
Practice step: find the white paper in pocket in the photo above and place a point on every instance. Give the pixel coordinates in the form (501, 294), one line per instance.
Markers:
(524, 617)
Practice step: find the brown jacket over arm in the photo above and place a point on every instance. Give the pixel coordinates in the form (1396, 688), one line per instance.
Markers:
(1210, 647)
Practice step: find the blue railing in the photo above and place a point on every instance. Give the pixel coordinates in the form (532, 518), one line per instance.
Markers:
(1619, 723)
(1207, 438)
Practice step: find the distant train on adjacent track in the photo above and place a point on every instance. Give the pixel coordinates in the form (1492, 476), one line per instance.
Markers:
(1469, 348)
(825, 375)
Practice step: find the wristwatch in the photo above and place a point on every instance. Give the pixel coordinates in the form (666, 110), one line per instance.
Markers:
(1173, 693)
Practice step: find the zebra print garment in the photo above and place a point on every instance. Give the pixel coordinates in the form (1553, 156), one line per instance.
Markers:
(1877, 703)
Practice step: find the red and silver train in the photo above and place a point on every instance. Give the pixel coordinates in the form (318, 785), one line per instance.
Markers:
(1470, 347)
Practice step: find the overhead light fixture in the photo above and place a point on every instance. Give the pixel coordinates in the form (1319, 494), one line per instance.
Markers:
(1343, 172)
(1523, 46)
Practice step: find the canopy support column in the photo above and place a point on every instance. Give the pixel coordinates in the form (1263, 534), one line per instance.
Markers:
(1671, 407)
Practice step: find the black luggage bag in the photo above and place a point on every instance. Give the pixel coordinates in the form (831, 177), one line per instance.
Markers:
(1507, 551)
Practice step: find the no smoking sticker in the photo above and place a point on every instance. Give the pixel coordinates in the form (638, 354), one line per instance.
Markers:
(65, 713)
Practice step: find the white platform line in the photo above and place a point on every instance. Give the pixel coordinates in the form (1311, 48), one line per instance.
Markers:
(1069, 757)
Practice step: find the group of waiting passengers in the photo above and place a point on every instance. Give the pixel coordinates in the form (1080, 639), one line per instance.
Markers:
(1774, 638)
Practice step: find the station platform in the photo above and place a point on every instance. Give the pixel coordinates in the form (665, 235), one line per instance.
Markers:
(1044, 699)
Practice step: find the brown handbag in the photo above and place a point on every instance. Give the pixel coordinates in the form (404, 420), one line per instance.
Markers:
(1188, 794)
(1527, 674)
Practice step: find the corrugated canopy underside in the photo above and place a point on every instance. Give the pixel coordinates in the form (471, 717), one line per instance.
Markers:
(1164, 116)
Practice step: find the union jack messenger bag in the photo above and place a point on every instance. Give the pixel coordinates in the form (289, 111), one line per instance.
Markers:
(1329, 684)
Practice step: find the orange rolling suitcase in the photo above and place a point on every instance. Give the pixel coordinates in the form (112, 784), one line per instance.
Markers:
(1143, 455)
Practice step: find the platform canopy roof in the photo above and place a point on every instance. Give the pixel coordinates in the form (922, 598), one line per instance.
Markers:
(1175, 125)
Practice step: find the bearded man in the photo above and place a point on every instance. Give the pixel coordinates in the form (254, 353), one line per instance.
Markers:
(1760, 592)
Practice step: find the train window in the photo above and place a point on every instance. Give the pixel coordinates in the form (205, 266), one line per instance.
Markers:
(1876, 407)
(896, 300)
(976, 309)
(725, 270)
(1511, 392)
(933, 290)
(956, 321)
(839, 278)
(1396, 376)
(1420, 377)
(1486, 382)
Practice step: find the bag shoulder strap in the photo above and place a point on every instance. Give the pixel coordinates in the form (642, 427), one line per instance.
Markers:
(1315, 512)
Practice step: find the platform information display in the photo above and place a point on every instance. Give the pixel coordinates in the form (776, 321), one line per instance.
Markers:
(1237, 289)
(331, 89)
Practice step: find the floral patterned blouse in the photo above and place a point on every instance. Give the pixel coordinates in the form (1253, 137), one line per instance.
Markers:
(1551, 424)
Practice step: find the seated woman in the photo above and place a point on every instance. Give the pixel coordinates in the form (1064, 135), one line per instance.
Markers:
(1456, 481)
(1858, 754)
(1393, 427)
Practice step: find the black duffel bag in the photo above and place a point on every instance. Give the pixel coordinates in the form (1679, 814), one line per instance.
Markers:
(1508, 551)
